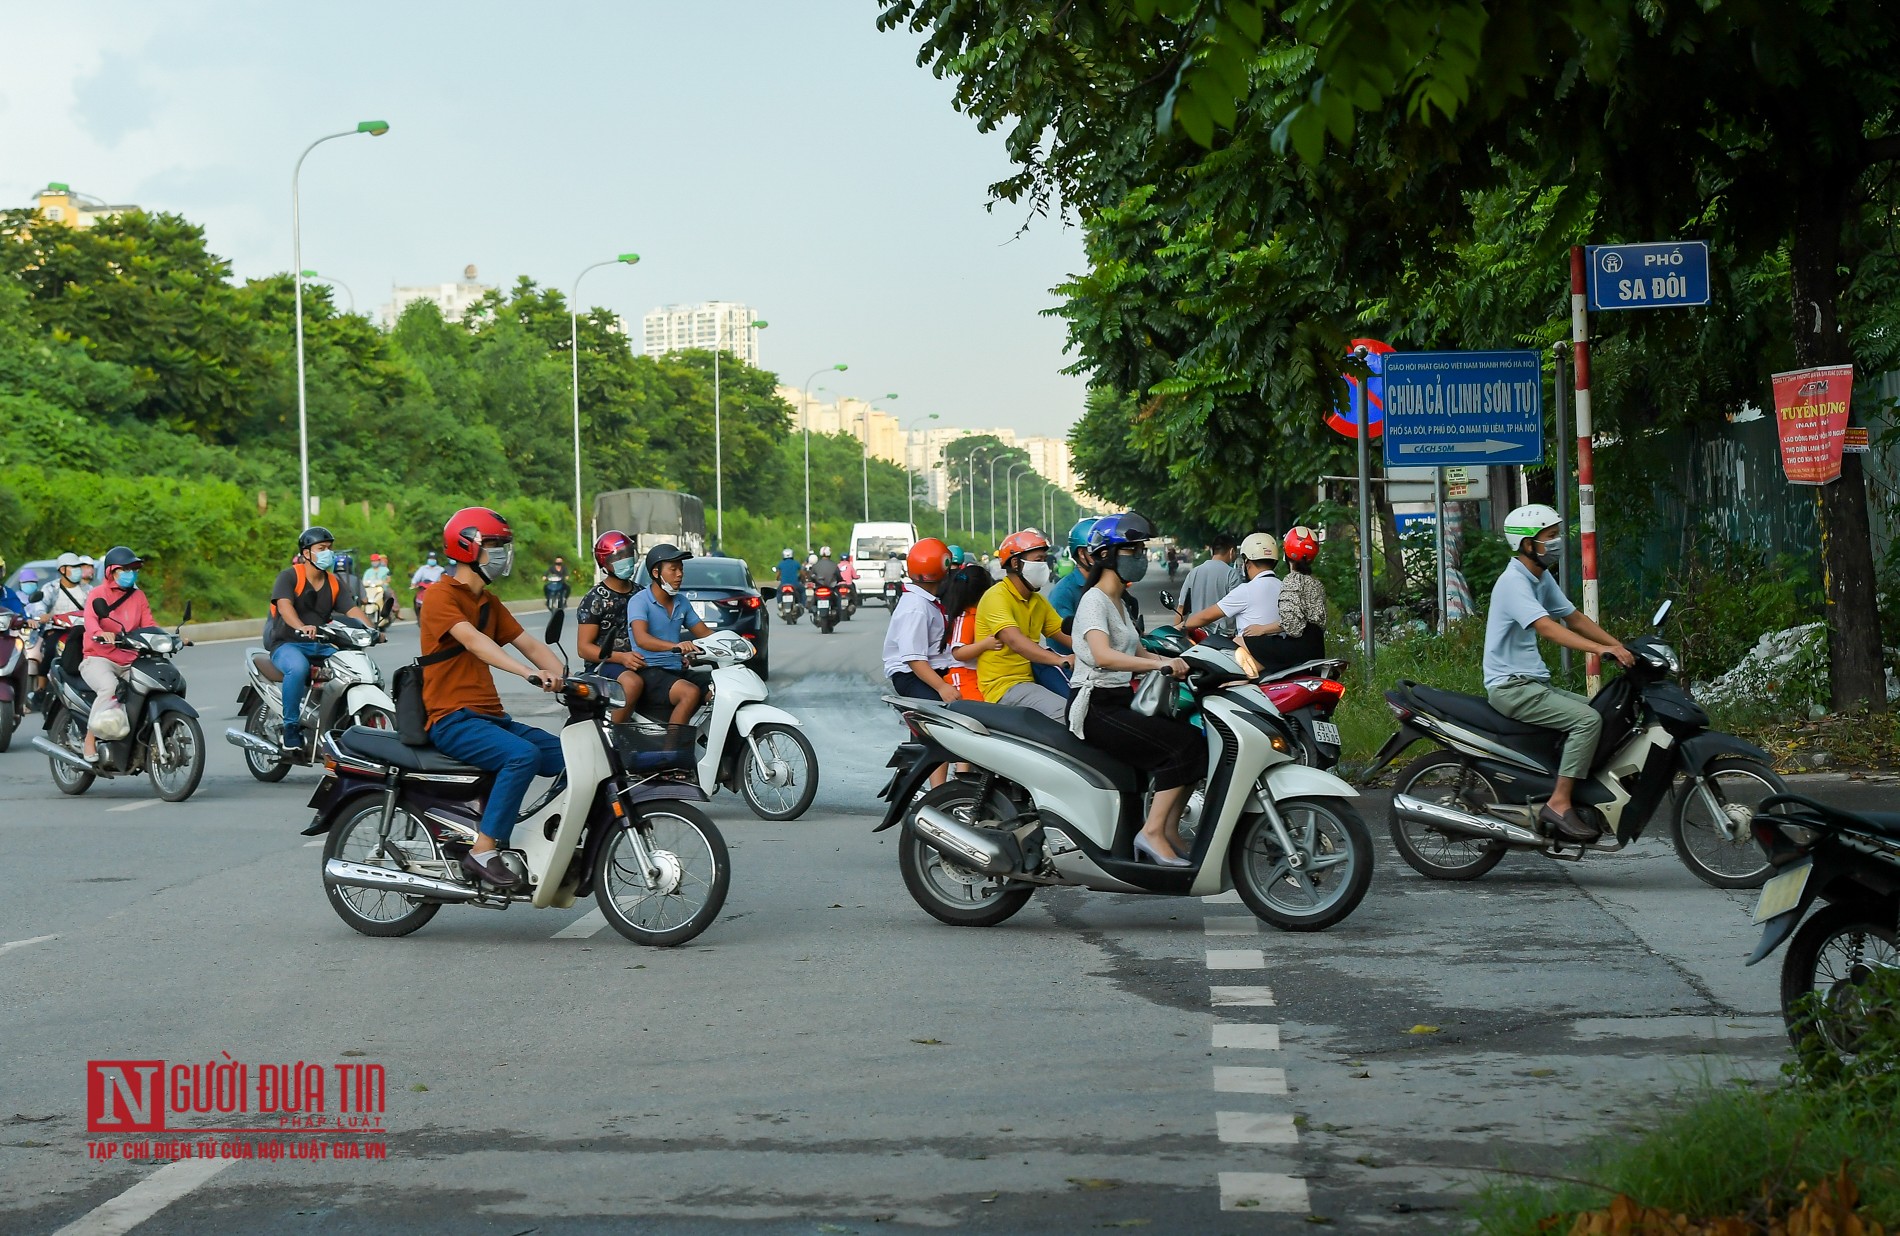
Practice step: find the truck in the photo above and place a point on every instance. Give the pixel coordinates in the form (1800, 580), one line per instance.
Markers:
(653, 517)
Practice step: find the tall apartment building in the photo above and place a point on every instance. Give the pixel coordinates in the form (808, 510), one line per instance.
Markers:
(59, 204)
(712, 324)
(453, 299)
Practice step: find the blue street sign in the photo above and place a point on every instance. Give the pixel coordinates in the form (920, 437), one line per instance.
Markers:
(1449, 409)
(1668, 275)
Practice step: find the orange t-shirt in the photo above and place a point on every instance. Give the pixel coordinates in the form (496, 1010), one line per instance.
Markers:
(464, 681)
(962, 675)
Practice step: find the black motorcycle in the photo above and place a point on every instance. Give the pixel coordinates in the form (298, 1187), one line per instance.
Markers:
(826, 606)
(1850, 860)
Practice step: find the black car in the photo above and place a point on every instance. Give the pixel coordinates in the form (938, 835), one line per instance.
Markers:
(721, 590)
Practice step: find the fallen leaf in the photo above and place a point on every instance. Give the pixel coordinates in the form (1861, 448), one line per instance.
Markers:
(1094, 1182)
(1246, 1203)
(1129, 1223)
(929, 1042)
(1360, 1073)
(419, 1088)
(1543, 1072)
(987, 1200)
(1422, 1028)
(353, 1052)
(833, 1227)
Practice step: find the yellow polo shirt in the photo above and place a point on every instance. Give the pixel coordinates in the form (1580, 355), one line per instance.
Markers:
(1002, 606)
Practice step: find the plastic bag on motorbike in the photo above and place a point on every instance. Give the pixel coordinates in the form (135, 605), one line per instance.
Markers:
(1156, 697)
(107, 720)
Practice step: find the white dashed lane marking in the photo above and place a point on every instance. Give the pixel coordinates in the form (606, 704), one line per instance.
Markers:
(140, 805)
(313, 843)
(1241, 997)
(1232, 1079)
(1247, 1037)
(145, 1199)
(584, 926)
(1232, 925)
(1256, 1128)
(1263, 1191)
(10, 945)
(1236, 959)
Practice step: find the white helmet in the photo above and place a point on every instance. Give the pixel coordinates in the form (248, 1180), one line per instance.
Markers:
(824, 551)
(1528, 521)
(811, 559)
(787, 553)
(67, 559)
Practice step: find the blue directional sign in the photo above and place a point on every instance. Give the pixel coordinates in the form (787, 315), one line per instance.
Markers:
(1667, 275)
(1447, 409)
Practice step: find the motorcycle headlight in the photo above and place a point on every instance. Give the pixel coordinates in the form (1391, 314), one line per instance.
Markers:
(1670, 661)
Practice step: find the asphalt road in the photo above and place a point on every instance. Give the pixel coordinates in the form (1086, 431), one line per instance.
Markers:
(826, 1058)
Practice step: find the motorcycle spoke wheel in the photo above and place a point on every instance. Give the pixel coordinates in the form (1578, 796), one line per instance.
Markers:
(1328, 882)
(261, 766)
(779, 781)
(176, 761)
(69, 731)
(1831, 959)
(375, 911)
(1705, 848)
(1441, 777)
(689, 857)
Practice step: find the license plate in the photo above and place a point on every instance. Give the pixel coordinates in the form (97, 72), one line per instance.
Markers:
(1326, 732)
(1782, 894)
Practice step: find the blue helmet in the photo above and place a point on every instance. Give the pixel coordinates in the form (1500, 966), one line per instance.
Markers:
(1079, 534)
(957, 556)
(1113, 531)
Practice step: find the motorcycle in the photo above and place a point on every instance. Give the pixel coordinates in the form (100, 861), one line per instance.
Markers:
(398, 819)
(1306, 695)
(1041, 808)
(893, 588)
(345, 689)
(848, 594)
(822, 601)
(788, 607)
(554, 592)
(13, 684)
(376, 597)
(1851, 860)
(165, 742)
(1458, 809)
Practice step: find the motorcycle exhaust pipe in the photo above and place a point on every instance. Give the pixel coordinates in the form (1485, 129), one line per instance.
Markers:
(963, 845)
(384, 879)
(1452, 820)
(251, 742)
(60, 753)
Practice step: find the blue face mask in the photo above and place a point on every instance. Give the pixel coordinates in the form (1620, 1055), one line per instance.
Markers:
(325, 559)
(625, 568)
(127, 579)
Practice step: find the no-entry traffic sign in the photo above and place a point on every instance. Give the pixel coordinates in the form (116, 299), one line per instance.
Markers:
(1464, 408)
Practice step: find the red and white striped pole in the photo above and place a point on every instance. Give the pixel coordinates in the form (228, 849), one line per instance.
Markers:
(1586, 471)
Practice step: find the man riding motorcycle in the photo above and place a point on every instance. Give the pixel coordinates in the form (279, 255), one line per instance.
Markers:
(307, 594)
(464, 632)
(1526, 603)
(660, 619)
(1016, 613)
(63, 609)
(826, 572)
(601, 634)
(377, 594)
(789, 570)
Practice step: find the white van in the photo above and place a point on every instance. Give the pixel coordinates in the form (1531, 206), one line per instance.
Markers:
(871, 548)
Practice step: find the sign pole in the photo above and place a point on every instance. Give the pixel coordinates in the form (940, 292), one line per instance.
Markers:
(1586, 471)
(1562, 386)
(1362, 413)
(1438, 536)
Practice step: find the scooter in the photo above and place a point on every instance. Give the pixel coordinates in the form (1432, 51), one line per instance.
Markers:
(1458, 809)
(346, 688)
(822, 601)
(165, 741)
(398, 819)
(848, 594)
(554, 592)
(788, 607)
(376, 604)
(1041, 808)
(13, 684)
(893, 588)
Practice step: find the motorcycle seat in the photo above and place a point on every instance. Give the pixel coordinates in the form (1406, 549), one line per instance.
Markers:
(269, 672)
(1476, 712)
(1027, 723)
(1885, 823)
(384, 747)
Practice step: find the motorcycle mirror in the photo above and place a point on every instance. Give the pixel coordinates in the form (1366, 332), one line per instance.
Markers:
(1167, 599)
(769, 594)
(1662, 612)
(555, 623)
(187, 615)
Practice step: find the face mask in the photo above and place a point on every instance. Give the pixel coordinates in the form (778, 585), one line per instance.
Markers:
(1550, 552)
(624, 568)
(127, 579)
(1036, 574)
(325, 559)
(1131, 567)
(497, 561)
(671, 590)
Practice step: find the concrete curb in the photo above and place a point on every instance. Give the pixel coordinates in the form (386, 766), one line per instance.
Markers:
(252, 629)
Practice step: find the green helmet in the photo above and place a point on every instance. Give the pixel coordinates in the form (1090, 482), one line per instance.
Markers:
(1079, 534)
(956, 555)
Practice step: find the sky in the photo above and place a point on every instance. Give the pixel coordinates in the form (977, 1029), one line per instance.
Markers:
(783, 153)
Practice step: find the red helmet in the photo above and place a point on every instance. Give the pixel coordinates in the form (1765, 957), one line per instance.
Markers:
(1020, 543)
(928, 561)
(471, 527)
(613, 544)
(1300, 544)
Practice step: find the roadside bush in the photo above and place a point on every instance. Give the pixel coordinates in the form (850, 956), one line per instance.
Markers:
(1727, 596)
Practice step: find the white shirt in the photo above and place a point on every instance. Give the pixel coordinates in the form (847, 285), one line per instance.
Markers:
(1255, 603)
(54, 602)
(1096, 612)
(915, 633)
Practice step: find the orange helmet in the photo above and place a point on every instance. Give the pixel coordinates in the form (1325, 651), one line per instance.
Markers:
(928, 561)
(1020, 543)
(1300, 545)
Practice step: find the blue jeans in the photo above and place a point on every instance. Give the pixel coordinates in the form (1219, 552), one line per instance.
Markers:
(293, 661)
(516, 753)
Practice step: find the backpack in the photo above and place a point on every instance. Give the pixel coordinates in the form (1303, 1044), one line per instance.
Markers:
(412, 716)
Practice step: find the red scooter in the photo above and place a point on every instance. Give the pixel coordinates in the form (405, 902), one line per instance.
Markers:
(1306, 694)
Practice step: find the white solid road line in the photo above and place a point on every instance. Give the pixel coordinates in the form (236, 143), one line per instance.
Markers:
(1232, 925)
(1263, 1191)
(140, 805)
(584, 926)
(1247, 1037)
(1229, 898)
(10, 945)
(1236, 959)
(1229, 1079)
(1241, 997)
(148, 1197)
(314, 842)
(1256, 1128)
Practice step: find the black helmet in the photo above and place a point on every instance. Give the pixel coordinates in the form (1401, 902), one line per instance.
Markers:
(664, 552)
(120, 556)
(313, 536)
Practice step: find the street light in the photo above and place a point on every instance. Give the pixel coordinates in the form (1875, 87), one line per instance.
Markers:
(719, 457)
(993, 460)
(969, 486)
(910, 497)
(375, 128)
(574, 353)
(867, 456)
(311, 274)
(804, 403)
(1009, 487)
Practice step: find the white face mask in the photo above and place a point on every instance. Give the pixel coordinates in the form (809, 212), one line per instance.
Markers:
(1036, 574)
(498, 561)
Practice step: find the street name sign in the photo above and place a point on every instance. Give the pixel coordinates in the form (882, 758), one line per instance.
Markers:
(1451, 409)
(1665, 275)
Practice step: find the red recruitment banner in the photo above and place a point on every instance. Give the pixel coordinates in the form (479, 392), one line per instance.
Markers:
(1811, 416)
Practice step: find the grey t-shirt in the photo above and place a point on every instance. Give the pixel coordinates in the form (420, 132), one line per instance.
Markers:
(1206, 584)
(1518, 600)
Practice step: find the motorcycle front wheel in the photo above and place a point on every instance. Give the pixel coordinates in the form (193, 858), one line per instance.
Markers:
(69, 731)
(946, 891)
(783, 786)
(375, 911)
(1738, 785)
(1831, 958)
(175, 756)
(1333, 872)
(261, 766)
(691, 887)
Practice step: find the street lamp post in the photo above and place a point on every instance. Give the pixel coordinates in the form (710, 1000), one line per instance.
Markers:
(574, 354)
(375, 128)
(993, 460)
(719, 456)
(804, 404)
(969, 486)
(1009, 494)
(910, 497)
(868, 409)
(311, 274)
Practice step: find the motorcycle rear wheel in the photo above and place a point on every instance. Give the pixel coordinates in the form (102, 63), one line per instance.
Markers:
(68, 731)
(697, 872)
(1439, 776)
(1738, 785)
(1832, 956)
(378, 912)
(947, 892)
(7, 722)
(261, 766)
(1336, 848)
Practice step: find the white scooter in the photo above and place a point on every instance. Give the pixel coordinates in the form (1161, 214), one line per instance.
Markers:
(1040, 807)
(345, 689)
